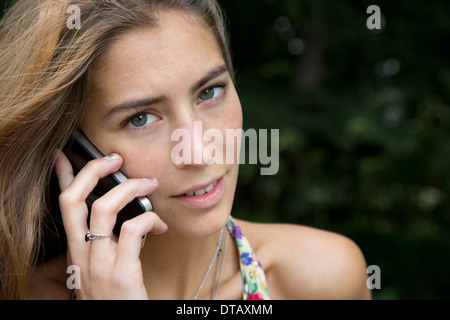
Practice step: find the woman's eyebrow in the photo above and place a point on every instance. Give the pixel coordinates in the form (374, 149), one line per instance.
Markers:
(145, 102)
(214, 73)
(134, 104)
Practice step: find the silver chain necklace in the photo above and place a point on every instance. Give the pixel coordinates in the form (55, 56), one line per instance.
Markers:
(220, 271)
(219, 245)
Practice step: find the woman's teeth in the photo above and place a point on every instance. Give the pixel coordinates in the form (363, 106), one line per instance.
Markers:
(202, 191)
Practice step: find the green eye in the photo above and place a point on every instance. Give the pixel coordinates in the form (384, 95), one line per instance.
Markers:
(142, 119)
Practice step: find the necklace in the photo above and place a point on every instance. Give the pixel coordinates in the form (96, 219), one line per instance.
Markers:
(219, 244)
(220, 271)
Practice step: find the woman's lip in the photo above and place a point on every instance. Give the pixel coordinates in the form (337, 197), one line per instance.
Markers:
(206, 200)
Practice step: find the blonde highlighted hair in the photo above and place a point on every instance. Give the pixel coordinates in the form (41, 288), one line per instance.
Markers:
(44, 86)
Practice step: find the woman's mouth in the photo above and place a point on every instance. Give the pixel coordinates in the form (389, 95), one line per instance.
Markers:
(199, 197)
(202, 191)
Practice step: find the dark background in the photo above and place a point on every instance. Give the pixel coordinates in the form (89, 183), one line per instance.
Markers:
(364, 124)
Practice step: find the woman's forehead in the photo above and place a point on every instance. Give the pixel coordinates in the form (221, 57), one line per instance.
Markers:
(173, 30)
(150, 59)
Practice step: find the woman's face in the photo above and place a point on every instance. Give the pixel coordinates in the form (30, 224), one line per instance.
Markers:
(158, 81)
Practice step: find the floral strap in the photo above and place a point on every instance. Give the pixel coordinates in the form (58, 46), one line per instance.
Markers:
(255, 286)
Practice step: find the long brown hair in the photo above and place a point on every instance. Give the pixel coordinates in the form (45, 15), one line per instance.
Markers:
(44, 86)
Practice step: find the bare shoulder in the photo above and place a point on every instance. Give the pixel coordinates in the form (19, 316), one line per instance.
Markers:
(302, 262)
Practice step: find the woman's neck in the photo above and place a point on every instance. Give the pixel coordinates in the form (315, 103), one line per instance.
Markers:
(175, 266)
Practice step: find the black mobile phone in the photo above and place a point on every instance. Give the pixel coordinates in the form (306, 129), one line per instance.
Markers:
(79, 152)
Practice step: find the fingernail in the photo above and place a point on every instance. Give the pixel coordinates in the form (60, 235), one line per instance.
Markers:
(113, 156)
(152, 180)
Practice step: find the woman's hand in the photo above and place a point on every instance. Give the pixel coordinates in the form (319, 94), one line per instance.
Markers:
(110, 267)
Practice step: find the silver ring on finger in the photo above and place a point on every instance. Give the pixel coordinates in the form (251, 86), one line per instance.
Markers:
(95, 236)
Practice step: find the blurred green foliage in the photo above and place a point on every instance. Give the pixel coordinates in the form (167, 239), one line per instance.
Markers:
(364, 124)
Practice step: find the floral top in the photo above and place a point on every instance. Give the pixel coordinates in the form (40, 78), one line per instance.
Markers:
(255, 286)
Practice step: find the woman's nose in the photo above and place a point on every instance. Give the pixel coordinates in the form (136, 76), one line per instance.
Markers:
(189, 144)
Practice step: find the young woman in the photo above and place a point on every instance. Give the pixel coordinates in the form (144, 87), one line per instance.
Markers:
(131, 74)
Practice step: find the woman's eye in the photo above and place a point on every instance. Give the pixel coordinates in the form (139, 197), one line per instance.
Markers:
(142, 119)
(211, 93)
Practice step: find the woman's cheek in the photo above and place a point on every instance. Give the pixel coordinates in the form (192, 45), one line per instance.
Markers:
(143, 163)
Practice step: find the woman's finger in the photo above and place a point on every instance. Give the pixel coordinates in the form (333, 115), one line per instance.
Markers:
(74, 213)
(105, 209)
(104, 213)
(87, 179)
(130, 241)
(64, 171)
